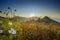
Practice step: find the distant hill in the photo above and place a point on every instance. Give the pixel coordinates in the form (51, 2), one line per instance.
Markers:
(48, 20)
(45, 19)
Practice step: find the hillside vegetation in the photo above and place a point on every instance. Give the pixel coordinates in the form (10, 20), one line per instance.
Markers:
(41, 29)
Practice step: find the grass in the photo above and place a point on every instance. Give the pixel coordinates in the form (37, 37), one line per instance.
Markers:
(33, 31)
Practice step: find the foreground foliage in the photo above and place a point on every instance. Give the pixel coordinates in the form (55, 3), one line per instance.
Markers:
(31, 31)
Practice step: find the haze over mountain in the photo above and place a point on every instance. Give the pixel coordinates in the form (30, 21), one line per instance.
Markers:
(39, 19)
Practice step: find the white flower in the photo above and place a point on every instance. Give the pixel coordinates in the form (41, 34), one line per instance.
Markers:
(9, 31)
(12, 31)
(1, 31)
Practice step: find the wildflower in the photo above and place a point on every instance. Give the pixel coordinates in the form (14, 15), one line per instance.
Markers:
(10, 23)
(12, 31)
(1, 31)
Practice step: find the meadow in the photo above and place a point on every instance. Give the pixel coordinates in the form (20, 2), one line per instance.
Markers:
(31, 31)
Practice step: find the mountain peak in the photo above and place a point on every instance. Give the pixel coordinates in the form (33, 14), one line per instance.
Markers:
(46, 17)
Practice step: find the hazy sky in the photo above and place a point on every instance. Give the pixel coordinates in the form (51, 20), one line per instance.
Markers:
(33, 7)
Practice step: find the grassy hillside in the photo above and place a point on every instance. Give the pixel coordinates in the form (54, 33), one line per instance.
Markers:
(29, 31)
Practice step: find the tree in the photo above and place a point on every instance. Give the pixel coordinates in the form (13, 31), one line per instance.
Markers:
(14, 11)
(0, 11)
(10, 11)
(8, 7)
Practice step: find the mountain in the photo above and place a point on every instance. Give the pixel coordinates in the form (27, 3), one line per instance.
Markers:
(45, 20)
(48, 20)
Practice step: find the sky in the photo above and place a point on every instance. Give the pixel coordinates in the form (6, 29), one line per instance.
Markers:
(28, 8)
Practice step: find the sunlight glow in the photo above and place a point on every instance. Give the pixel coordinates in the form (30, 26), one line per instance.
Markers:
(31, 15)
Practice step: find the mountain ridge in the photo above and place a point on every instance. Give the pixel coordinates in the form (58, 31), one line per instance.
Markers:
(45, 19)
